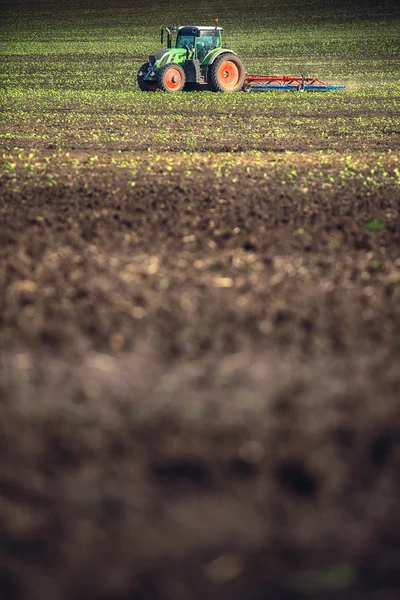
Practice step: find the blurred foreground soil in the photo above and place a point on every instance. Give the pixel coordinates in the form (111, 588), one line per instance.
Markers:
(199, 380)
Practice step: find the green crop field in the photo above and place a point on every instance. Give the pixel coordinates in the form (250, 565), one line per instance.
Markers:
(199, 307)
(68, 78)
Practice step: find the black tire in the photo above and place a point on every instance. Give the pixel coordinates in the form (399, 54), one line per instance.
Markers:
(228, 79)
(144, 85)
(171, 78)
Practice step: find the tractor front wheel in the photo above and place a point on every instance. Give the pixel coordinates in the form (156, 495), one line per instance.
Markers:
(227, 74)
(144, 84)
(171, 78)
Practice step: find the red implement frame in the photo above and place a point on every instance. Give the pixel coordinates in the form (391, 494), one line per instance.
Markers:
(288, 82)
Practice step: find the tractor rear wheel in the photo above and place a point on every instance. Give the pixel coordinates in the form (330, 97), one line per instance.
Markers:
(144, 84)
(227, 74)
(171, 78)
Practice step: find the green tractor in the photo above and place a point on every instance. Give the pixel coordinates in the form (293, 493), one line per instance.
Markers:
(198, 60)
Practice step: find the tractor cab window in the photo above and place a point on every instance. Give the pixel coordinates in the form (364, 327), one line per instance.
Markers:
(206, 41)
(185, 41)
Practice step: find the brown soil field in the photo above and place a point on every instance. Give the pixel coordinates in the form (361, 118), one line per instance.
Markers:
(199, 376)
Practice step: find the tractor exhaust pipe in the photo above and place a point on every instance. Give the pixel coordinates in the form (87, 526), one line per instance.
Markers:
(170, 31)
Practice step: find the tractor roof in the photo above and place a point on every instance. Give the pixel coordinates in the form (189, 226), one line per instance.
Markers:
(194, 28)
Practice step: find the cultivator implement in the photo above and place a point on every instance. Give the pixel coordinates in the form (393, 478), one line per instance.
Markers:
(262, 83)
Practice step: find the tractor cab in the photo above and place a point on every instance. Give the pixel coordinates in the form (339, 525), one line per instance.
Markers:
(199, 40)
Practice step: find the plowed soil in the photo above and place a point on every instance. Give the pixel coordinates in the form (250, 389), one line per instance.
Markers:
(200, 376)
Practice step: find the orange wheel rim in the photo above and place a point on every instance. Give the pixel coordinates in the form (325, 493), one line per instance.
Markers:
(228, 74)
(173, 79)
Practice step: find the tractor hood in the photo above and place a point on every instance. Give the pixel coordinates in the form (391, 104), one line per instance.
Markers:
(155, 56)
(166, 56)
